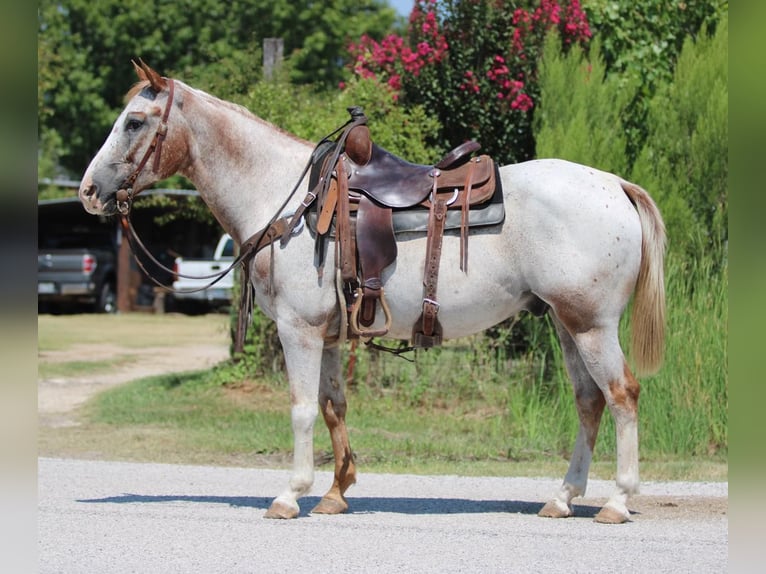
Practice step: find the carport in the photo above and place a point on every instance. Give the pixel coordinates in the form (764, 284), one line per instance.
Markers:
(163, 219)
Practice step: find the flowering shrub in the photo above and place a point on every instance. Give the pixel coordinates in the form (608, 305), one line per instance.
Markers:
(473, 63)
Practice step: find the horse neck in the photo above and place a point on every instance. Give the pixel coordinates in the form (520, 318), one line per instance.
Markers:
(243, 167)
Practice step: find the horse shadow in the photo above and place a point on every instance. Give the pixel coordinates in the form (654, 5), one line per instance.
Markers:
(361, 505)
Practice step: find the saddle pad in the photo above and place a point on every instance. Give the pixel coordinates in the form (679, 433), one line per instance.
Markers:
(416, 219)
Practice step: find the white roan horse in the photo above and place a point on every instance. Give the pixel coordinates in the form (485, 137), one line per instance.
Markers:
(578, 239)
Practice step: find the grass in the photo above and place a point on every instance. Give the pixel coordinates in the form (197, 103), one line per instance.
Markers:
(191, 418)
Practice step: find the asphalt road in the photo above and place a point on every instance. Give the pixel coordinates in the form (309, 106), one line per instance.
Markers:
(105, 517)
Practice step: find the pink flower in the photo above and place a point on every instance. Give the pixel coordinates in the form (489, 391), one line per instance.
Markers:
(522, 103)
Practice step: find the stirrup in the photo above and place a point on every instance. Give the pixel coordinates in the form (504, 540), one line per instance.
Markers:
(353, 320)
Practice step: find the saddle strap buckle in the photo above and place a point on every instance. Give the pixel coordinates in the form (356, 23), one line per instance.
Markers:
(309, 199)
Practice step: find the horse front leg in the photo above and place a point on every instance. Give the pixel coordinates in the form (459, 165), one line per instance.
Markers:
(332, 403)
(302, 347)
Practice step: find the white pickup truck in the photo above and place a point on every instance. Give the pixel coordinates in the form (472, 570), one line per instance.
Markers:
(216, 296)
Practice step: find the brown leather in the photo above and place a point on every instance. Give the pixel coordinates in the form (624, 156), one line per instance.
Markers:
(359, 145)
(396, 183)
(358, 177)
(328, 208)
(248, 250)
(347, 257)
(466, 193)
(376, 245)
(459, 155)
(484, 182)
(390, 180)
(430, 334)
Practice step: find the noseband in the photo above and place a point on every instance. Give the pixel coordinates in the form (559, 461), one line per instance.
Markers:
(124, 194)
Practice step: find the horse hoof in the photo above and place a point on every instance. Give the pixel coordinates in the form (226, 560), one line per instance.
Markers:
(610, 515)
(281, 510)
(330, 506)
(555, 509)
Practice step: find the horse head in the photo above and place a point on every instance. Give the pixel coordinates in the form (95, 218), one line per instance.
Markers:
(141, 149)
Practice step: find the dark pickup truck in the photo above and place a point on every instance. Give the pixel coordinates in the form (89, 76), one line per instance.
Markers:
(77, 266)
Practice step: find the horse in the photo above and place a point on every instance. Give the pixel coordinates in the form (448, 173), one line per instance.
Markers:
(576, 241)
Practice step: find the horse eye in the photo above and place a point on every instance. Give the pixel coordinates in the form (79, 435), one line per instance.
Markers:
(133, 125)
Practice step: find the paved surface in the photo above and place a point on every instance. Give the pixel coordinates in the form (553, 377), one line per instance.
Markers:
(104, 517)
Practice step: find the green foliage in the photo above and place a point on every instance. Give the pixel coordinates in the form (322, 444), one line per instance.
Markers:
(85, 48)
(579, 117)
(691, 390)
(685, 160)
(401, 130)
(641, 41)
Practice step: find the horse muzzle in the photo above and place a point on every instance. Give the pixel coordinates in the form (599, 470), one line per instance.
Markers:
(91, 197)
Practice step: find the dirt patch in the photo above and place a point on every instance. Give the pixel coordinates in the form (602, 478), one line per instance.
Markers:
(650, 507)
(59, 397)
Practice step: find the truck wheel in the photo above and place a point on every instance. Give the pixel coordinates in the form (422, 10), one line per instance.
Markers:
(107, 299)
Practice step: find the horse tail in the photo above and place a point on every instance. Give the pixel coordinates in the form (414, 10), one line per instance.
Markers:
(648, 319)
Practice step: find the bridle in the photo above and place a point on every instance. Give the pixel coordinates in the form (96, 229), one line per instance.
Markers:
(124, 197)
(125, 192)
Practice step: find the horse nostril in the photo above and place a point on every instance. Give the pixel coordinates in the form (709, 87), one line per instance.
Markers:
(90, 190)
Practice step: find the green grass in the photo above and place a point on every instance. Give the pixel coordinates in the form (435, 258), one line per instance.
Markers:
(191, 417)
(684, 408)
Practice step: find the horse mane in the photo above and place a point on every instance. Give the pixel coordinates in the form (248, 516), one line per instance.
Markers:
(138, 86)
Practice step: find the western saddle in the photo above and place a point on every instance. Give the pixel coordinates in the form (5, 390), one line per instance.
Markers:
(362, 196)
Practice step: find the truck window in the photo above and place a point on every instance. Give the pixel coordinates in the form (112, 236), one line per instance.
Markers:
(228, 248)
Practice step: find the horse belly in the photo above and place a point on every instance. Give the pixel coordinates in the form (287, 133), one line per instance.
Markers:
(470, 302)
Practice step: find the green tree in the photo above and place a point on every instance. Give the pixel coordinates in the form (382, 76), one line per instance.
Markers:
(641, 41)
(85, 48)
(312, 115)
(580, 114)
(685, 159)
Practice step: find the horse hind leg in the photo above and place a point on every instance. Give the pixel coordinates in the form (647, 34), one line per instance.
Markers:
(600, 351)
(332, 403)
(590, 403)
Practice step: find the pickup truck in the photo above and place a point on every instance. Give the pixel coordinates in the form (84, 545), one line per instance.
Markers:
(77, 267)
(216, 296)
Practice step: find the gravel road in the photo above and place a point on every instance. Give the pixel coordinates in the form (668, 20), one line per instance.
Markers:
(105, 517)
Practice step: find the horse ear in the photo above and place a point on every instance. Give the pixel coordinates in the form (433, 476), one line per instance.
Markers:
(157, 82)
(139, 72)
